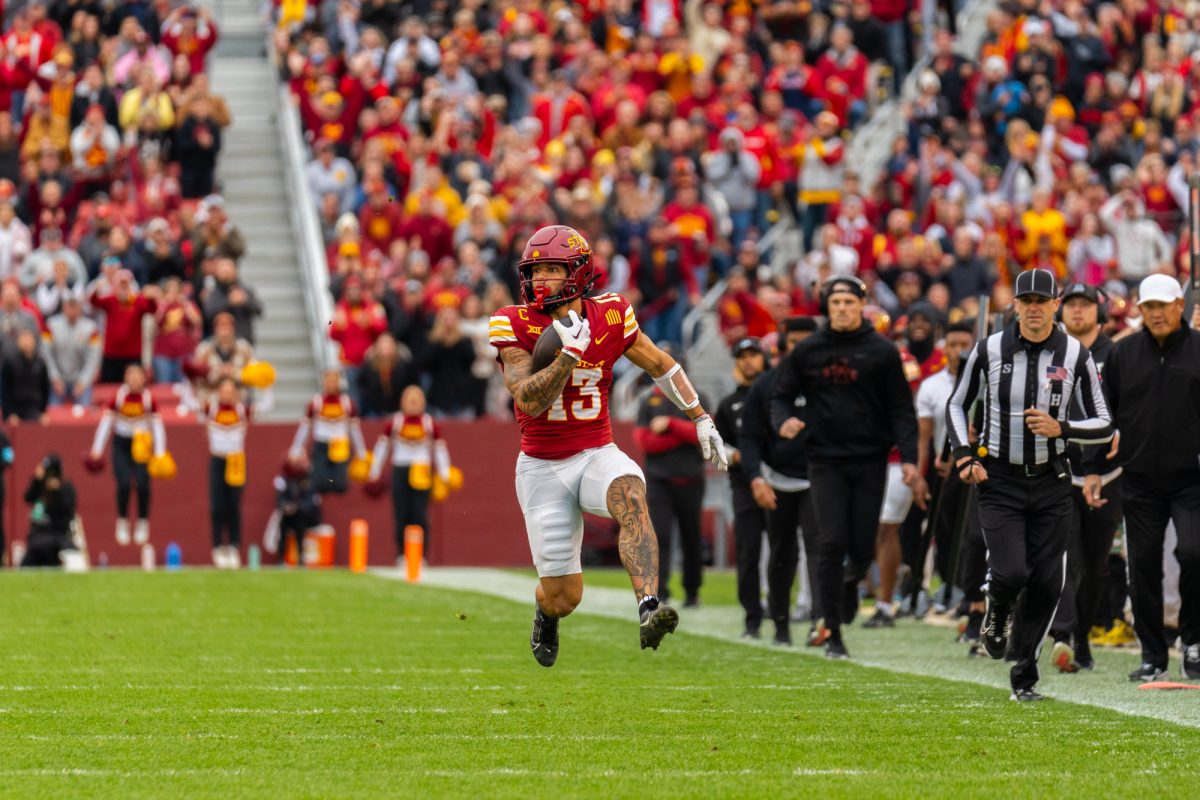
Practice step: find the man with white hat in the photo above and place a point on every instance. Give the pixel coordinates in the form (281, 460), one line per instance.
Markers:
(1153, 383)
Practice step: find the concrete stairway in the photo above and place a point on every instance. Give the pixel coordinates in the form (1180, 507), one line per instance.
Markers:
(252, 179)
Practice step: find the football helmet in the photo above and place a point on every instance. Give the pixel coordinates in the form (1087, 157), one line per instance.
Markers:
(558, 244)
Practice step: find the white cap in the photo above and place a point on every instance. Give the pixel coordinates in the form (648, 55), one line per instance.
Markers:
(1159, 289)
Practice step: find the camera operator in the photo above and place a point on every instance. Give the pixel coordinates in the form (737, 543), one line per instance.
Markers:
(53, 501)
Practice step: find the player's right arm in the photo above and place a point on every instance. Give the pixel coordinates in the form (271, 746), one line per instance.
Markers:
(534, 391)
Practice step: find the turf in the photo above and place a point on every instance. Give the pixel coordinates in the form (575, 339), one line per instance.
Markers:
(205, 684)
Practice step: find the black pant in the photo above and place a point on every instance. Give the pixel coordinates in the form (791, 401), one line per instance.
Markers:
(409, 507)
(112, 370)
(1147, 510)
(749, 522)
(1089, 541)
(848, 497)
(43, 547)
(679, 501)
(130, 474)
(1024, 522)
(972, 563)
(328, 476)
(295, 525)
(792, 510)
(224, 505)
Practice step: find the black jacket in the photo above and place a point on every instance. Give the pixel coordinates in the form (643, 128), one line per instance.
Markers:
(1091, 459)
(24, 387)
(859, 404)
(728, 420)
(760, 442)
(52, 511)
(381, 396)
(1153, 398)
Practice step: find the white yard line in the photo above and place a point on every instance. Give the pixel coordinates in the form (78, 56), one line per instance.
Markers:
(1107, 687)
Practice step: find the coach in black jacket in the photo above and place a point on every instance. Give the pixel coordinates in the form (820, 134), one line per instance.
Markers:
(1153, 384)
(1094, 475)
(777, 469)
(859, 406)
(749, 521)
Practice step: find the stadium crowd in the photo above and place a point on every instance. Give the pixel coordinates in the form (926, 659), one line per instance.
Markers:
(671, 134)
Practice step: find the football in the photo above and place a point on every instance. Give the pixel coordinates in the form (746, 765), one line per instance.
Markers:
(546, 349)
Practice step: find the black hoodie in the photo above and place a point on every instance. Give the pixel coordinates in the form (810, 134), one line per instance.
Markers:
(858, 403)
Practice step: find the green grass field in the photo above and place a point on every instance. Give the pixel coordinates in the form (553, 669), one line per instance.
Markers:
(226, 685)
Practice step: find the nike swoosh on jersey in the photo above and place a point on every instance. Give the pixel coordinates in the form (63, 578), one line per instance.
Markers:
(600, 339)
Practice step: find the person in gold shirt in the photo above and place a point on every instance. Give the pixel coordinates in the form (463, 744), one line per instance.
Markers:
(1041, 220)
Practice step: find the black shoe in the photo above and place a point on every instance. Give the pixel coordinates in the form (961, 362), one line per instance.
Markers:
(1148, 672)
(850, 600)
(751, 633)
(997, 621)
(880, 619)
(1083, 656)
(1190, 663)
(1026, 696)
(657, 622)
(835, 650)
(783, 634)
(692, 602)
(969, 632)
(544, 639)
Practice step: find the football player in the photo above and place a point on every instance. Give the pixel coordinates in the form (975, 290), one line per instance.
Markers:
(568, 463)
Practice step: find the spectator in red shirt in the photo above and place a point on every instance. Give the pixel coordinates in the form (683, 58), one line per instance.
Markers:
(556, 106)
(123, 307)
(177, 325)
(380, 218)
(190, 32)
(842, 72)
(357, 322)
(428, 229)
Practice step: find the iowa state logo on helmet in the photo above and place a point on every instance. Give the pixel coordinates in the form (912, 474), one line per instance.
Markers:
(579, 244)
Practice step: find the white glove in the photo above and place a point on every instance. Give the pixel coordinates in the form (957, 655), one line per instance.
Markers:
(575, 334)
(711, 443)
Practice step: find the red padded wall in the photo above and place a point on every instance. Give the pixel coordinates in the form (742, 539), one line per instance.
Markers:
(480, 525)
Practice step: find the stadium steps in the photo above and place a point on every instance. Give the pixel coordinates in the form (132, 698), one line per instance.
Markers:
(252, 179)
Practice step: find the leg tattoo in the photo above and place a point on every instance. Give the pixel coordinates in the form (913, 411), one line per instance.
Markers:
(637, 544)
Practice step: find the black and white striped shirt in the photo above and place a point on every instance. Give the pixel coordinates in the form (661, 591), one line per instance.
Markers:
(1010, 375)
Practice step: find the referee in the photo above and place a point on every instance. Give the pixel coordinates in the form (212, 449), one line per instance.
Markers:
(1027, 375)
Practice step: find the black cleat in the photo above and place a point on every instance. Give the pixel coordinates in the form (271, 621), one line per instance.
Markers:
(544, 639)
(691, 602)
(783, 634)
(657, 622)
(1148, 672)
(880, 619)
(997, 623)
(850, 601)
(1189, 666)
(1026, 696)
(835, 650)
(751, 633)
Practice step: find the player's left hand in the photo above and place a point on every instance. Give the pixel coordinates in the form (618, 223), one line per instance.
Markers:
(1042, 423)
(711, 443)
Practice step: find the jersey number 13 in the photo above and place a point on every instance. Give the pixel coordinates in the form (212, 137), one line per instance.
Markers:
(587, 407)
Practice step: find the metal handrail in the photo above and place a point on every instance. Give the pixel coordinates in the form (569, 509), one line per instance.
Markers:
(310, 246)
(872, 143)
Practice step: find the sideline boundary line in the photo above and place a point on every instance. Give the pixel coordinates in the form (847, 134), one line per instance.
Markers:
(1102, 689)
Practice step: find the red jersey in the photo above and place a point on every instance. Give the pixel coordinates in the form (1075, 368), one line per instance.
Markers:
(578, 420)
(915, 372)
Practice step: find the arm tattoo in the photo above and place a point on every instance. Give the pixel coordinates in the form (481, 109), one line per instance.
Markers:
(638, 545)
(534, 392)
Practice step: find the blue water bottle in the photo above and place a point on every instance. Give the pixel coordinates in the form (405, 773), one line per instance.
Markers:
(174, 556)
